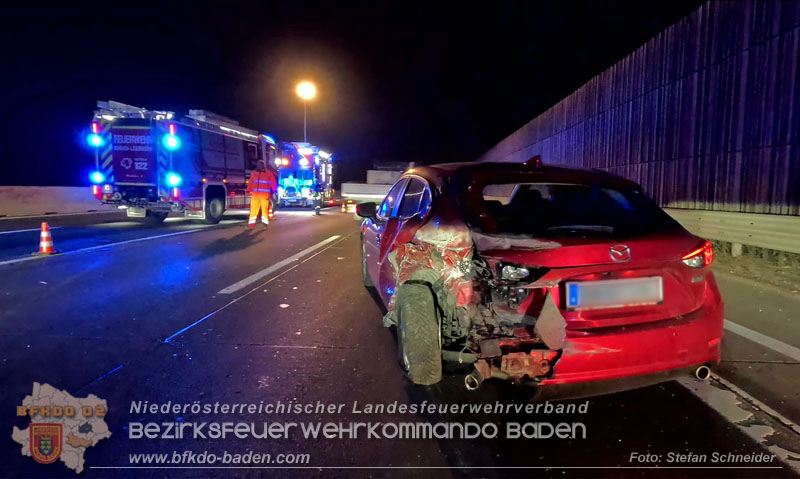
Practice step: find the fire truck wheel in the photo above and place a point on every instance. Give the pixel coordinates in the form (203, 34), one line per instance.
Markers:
(418, 334)
(155, 217)
(214, 211)
(364, 274)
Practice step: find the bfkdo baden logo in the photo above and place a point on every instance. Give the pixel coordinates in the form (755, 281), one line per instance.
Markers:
(46, 442)
(62, 426)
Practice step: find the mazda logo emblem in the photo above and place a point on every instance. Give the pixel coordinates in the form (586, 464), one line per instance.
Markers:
(620, 253)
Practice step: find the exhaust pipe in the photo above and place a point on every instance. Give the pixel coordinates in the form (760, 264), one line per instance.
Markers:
(702, 373)
(473, 381)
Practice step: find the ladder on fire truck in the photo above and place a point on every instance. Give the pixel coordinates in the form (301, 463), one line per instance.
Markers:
(110, 110)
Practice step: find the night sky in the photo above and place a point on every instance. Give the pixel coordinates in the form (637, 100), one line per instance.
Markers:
(414, 81)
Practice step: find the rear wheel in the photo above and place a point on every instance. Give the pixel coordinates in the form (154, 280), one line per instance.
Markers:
(215, 207)
(418, 334)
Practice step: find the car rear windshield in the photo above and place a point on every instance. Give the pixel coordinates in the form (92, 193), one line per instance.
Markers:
(565, 211)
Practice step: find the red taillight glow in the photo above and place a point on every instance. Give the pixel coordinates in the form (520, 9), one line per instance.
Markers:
(172, 128)
(176, 193)
(693, 253)
(96, 191)
(707, 252)
(95, 127)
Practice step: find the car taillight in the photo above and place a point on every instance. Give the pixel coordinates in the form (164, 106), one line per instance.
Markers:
(702, 256)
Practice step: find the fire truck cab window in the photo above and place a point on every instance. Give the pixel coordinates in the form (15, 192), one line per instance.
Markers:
(252, 156)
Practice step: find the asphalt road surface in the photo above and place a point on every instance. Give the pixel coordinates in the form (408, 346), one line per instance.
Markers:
(187, 312)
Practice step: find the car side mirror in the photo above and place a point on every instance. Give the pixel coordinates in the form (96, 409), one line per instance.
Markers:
(367, 210)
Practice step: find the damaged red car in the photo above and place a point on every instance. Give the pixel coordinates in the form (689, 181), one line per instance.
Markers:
(539, 274)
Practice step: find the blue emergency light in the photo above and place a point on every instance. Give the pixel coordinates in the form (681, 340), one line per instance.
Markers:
(171, 142)
(97, 177)
(173, 179)
(95, 140)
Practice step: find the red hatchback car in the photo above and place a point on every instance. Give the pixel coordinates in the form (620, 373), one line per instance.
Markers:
(539, 273)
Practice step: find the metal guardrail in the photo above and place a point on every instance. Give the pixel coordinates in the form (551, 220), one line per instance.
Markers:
(776, 232)
(40, 200)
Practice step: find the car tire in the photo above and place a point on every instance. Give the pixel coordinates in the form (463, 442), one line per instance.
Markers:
(154, 218)
(364, 273)
(418, 334)
(215, 208)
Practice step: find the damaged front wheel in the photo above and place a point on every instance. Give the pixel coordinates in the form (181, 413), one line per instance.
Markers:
(418, 334)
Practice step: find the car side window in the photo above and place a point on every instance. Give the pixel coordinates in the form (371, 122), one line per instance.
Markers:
(409, 206)
(387, 207)
(425, 202)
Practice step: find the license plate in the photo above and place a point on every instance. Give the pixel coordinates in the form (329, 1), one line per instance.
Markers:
(615, 293)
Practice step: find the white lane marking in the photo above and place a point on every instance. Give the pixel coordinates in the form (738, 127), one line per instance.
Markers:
(764, 340)
(24, 231)
(59, 214)
(137, 240)
(236, 299)
(275, 267)
(727, 399)
(755, 402)
(103, 246)
(20, 260)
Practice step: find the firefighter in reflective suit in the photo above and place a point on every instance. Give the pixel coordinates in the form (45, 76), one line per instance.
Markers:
(262, 183)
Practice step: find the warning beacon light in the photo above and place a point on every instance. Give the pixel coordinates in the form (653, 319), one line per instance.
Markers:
(171, 141)
(173, 179)
(94, 139)
(97, 177)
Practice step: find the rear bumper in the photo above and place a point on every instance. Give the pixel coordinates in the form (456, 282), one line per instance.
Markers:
(150, 205)
(643, 349)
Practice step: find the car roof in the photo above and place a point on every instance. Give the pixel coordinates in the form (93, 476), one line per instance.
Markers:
(491, 172)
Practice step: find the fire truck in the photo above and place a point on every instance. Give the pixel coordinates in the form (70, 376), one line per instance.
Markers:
(305, 174)
(151, 163)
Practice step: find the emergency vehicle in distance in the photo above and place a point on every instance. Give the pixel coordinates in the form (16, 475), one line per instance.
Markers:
(305, 174)
(151, 163)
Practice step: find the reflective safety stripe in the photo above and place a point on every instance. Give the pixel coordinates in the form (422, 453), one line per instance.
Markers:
(262, 181)
(262, 190)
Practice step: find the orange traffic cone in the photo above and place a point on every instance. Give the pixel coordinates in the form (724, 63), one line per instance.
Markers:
(344, 208)
(46, 241)
(271, 214)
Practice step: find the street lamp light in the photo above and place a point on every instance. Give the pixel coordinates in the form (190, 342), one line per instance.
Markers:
(305, 90)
